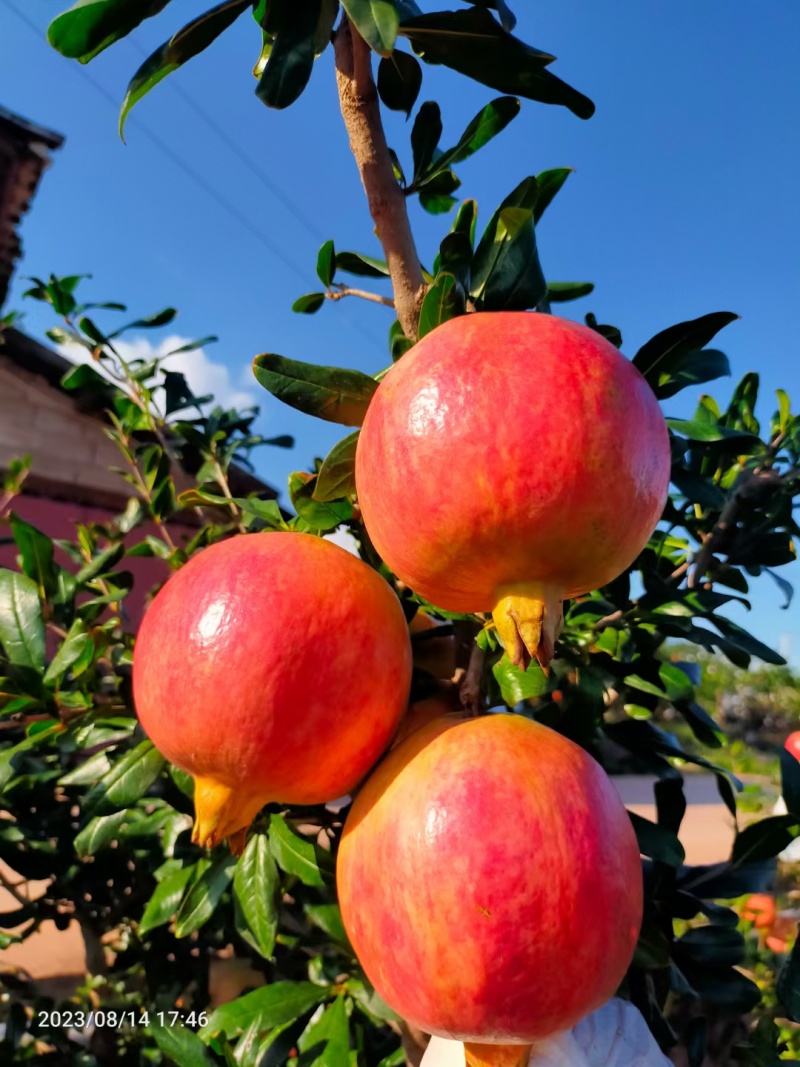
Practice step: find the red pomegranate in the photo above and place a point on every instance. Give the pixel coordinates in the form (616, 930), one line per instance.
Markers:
(508, 461)
(490, 883)
(272, 667)
(792, 744)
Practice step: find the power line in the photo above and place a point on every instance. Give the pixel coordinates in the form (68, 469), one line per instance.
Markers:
(240, 154)
(195, 176)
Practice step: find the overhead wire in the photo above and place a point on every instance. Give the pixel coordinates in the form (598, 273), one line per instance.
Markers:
(195, 176)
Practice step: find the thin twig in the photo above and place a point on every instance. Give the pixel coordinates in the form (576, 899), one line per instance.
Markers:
(338, 291)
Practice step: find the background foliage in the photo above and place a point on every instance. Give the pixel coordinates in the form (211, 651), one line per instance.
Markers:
(93, 808)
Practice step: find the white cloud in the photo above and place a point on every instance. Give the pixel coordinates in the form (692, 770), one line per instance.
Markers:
(204, 375)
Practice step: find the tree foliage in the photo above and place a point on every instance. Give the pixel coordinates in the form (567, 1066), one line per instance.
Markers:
(96, 811)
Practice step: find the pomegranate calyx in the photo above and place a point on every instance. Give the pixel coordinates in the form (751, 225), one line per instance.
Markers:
(529, 622)
(223, 811)
(497, 1055)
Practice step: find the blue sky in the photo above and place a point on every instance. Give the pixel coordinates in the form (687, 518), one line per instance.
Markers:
(683, 199)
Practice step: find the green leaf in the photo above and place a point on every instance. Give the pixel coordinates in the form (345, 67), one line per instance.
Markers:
(399, 81)
(790, 782)
(184, 45)
(376, 21)
(99, 833)
(664, 354)
(742, 639)
(291, 57)
(337, 475)
(561, 292)
(166, 899)
(204, 895)
(764, 839)
(657, 842)
(293, 854)
(92, 25)
(695, 368)
(36, 550)
(506, 274)
(425, 134)
(444, 300)
(330, 393)
(314, 513)
(788, 986)
(695, 430)
(486, 125)
(548, 183)
(127, 781)
(85, 377)
(150, 322)
(326, 263)
(71, 650)
(333, 1029)
(273, 1005)
(474, 44)
(183, 1047)
(309, 304)
(361, 266)
(712, 946)
(267, 510)
(328, 918)
(256, 891)
(21, 622)
(516, 685)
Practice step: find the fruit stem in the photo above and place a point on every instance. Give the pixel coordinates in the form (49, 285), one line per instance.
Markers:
(529, 620)
(497, 1055)
(223, 811)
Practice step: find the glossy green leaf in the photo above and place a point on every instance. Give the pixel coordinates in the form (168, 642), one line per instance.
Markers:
(99, 833)
(337, 475)
(506, 274)
(70, 651)
(704, 431)
(127, 781)
(256, 889)
(517, 685)
(328, 918)
(695, 368)
(474, 44)
(376, 21)
(657, 842)
(399, 81)
(788, 986)
(36, 552)
(309, 304)
(294, 854)
(548, 183)
(273, 1005)
(166, 899)
(444, 300)
(317, 515)
(764, 839)
(330, 393)
(425, 135)
(182, 1046)
(204, 895)
(291, 57)
(486, 125)
(332, 1031)
(92, 25)
(326, 263)
(361, 266)
(664, 353)
(21, 622)
(184, 45)
(561, 292)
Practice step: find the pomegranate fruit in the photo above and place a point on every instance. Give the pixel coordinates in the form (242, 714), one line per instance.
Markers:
(508, 461)
(272, 667)
(792, 744)
(490, 883)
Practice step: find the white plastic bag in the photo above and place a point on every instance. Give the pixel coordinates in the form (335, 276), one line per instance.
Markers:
(615, 1035)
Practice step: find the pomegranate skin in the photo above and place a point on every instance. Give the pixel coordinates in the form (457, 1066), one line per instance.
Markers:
(511, 453)
(490, 882)
(272, 667)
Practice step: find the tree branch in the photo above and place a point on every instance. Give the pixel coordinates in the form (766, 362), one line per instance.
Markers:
(358, 99)
(338, 291)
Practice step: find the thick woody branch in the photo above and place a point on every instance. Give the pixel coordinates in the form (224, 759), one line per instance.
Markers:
(358, 99)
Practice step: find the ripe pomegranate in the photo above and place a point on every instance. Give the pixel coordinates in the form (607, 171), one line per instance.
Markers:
(490, 882)
(272, 667)
(508, 461)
